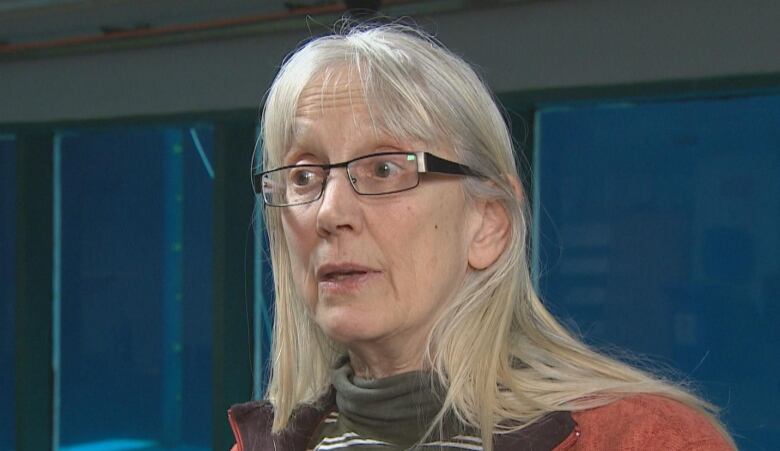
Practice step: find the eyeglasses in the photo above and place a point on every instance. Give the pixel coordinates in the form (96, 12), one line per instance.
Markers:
(370, 175)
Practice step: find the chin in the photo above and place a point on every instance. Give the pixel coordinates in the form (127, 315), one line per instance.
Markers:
(346, 329)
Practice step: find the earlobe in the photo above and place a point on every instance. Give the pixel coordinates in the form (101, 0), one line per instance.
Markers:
(491, 236)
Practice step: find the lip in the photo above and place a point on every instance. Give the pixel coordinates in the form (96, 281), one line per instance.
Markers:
(344, 277)
(327, 270)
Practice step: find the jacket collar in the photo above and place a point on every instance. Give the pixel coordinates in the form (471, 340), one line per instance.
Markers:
(251, 423)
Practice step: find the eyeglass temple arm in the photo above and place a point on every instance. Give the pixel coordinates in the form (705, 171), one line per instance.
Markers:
(432, 163)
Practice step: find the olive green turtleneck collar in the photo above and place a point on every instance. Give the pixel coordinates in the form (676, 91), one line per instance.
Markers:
(398, 409)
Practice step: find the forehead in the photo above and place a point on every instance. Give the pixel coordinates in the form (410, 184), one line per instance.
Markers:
(337, 94)
(334, 107)
(331, 89)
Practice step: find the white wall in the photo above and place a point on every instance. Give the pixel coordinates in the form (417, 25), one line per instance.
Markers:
(544, 44)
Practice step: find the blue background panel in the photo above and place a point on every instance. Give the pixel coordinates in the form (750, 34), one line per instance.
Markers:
(136, 288)
(7, 289)
(659, 232)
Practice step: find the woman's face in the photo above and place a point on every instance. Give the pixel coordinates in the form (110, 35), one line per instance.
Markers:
(375, 271)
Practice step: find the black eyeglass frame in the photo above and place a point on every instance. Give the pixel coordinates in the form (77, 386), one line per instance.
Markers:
(426, 163)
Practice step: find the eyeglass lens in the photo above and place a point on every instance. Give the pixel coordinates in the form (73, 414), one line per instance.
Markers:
(370, 175)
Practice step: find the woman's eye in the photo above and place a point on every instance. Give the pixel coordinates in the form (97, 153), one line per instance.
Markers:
(385, 169)
(301, 177)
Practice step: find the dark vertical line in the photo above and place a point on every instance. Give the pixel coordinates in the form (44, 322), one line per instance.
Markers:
(233, 261)
(521, 122)
(522, 117)
(33, 315)
(262, 302)
(263, 326)
(56, 322)
(535, 198)
(173, 287)
(7, 290)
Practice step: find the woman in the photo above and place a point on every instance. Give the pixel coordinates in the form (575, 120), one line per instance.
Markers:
(405, 314)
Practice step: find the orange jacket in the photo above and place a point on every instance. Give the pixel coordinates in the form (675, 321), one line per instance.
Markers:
(644, 422)
(641, 422)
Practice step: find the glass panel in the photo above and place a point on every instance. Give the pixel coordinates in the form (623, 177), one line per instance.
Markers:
(136, 302)
(7, 289)
(659, 233)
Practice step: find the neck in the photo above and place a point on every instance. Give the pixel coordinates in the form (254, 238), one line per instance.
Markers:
(376, 361)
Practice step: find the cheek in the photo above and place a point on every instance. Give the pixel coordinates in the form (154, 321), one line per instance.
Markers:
(428, 245)
(448, 253)
(300, 244)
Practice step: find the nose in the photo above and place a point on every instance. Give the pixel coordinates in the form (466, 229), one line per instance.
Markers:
(339, 210)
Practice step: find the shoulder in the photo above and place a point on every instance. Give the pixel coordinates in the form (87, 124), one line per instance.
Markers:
(647, 422)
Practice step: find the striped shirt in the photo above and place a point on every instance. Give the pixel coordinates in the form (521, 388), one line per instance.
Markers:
(392, 413)
(333, 434)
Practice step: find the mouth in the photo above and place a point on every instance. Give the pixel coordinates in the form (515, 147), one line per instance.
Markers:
(337, 276)
(341, 277)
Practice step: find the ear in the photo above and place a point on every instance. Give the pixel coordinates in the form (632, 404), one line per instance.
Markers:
(491, 234)
(517, 187)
